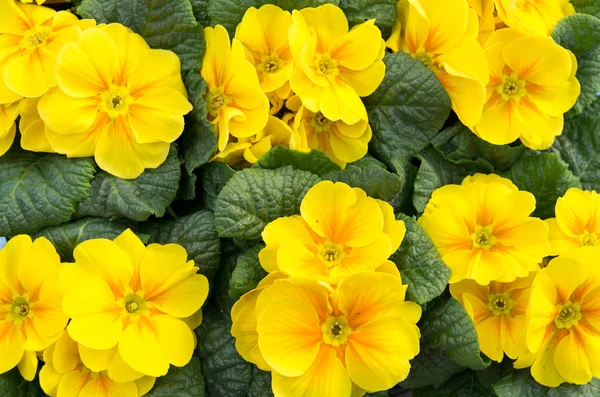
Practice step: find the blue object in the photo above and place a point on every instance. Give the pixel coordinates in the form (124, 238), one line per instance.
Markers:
(2, 242)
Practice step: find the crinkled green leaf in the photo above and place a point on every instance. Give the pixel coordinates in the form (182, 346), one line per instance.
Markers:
(260, 385)
(214, 177)
(383, 11)
(180, 382)
(464, 384)
(12, 384)
(196, 233)
(420, 264)
(254, 197)
(314, 161)
(544, 175)
(435, 172)
(579, 146)
(67, 236)
(521, 384)
(458, 143)
(247, 273)
(200, 8)
(407, 110)
(39, 190)
(591, 7)
(580, 33)
(230, 251)
(370, 175)
(403, 202)
(449, 344)
(229, 13)
(166, 24)
(150, 194)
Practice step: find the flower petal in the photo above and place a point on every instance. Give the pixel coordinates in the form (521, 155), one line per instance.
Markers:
(32, 74)
(570, 359)
(155, 69)
(11, 346)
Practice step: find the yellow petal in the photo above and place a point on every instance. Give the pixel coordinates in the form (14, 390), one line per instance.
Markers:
(392, 227)
(97, 360)
(246, 337)
(140, 348)
(443, 34)
(131, 48)
(102, 385)
(541, 129)
(356, 50)
(297, 259)
(289, 335)
(329, 24)
(40, 263)
(49, 380)
(67, 114)
(560, 243)
(490, 340)
(145, 384)
(11, 346)
(543, 369)
(466, 60)
(155, 69)
(348, 149)
(542, 310)
(363, 259)
(573, 212)
(49, 318)
(66, 354)
(590, 307)
(216, 58)
(7, 140)
(554, 100)
(467, 95)
(31, 74)
(80, 144)
(119, 371)
(570, 359)
(33, 128)
(28, 365)
(499, 123)
(514, 336)
(72, 383)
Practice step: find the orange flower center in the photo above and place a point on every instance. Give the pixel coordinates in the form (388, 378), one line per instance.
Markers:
(331, 254)
(568, 315)
(336, 331)
(483, 238)
(590, 240)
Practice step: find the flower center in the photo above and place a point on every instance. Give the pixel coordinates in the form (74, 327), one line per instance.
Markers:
(568, 315)
(425, 58)
(271, 64)
(483, 237)
(20, 308)
(500, 304)
(36, 36)
(215, 100)
(512, 88)
(320, 122)
(590, 240)
(134, 305)
(116, 101)
(331, 254)
(336, 331)
(327, 65)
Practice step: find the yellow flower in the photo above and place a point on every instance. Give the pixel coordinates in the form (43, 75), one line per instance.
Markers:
(577, 222)
(334, 67)
(31, 38)
(483, 231)
(443, 36)
(116, 100)
(31, 317)
(342, 142)
(533, 16)
(65, 374)
(235, 103)
(327, 342)
(485, 15)
(135, 297)
(498, 311)
(33, 128)
(563, 320)
(264, 35)
(340, 232)
(8, 128)
(532, 84)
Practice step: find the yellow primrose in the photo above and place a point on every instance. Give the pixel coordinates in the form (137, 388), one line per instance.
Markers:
(235, 103)
(8, 128)
(485, 16)
(135, 297)
(483, 231)
(31, 38)
(533, 16)
(563, 320)
(117, 100)
(498, 311)
(31, 317)
(340, 232)
(577, 222)
(65, 375)
(443, 36)
(33, 128)
(532, 84)
(328, 342)
(342, 142)
(334, 67)
(264, 35)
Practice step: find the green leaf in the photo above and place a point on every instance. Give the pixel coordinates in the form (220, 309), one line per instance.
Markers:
(12, 384)
(247, 273)
(464, 384)
(214, 178)
(200, 8)
(229, 13)
(150, 194)
(314, 161)
(180, 382)
(420, 264)
(521, 384)
(219, 294)
(546, 176)
(449, 344)
(196, 233)
(39, 190)
(580, 33)
(260, 385)
(67, 236)
(383, 11)
(591, 7)
(166, 24)
(579, 146)
(458, 143)
(370, 175)
(407, 110)
(254, 197)
(435, 172)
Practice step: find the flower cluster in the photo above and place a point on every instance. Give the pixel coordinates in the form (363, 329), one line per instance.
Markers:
(547, 319)
(330, 318)
(506, 84)
(107, 324)
(85, 90)
(308, 61)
